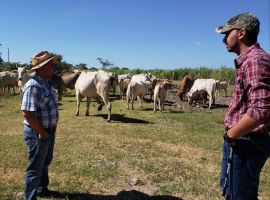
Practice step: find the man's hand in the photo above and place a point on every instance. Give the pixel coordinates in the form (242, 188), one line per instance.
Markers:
(43, 136)
(231, 141)
(35, 124)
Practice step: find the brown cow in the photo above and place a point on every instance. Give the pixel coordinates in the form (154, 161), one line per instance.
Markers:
(186, 84)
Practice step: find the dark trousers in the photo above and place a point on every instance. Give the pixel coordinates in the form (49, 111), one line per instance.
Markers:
(40, 155)
(247, 159)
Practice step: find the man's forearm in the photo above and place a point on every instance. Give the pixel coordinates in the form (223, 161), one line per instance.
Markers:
(244, 126)
(34, 123)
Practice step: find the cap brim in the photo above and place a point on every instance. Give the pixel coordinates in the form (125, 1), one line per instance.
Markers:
(54, 58)
(223, 29)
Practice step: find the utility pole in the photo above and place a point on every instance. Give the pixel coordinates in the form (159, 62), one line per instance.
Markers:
(8, 55)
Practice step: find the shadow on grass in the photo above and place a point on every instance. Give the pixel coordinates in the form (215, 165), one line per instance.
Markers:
(123, 195)
(123, 119)
(213, 106)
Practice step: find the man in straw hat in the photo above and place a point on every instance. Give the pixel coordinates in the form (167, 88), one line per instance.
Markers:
(40, 110)
(246, 141)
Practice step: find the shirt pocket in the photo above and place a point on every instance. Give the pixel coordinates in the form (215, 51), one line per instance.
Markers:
(239, 87)
(45, 101)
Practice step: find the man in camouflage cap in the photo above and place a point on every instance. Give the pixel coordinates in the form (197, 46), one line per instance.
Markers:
(247, 126)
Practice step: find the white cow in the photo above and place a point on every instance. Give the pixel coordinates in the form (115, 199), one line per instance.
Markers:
(24, 76)
(160, 93)
(94, 85)
(209, 85)
(138, 86)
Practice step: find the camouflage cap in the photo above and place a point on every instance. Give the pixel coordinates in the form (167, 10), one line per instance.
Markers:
(242, 21)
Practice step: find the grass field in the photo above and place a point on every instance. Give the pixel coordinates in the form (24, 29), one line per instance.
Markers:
(170, 155)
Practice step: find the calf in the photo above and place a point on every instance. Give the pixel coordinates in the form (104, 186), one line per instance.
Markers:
(160, 92)
(199, 95)
(209, 85)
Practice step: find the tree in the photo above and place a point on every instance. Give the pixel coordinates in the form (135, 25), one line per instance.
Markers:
(105, 63)
(1, 60)
(80, 66)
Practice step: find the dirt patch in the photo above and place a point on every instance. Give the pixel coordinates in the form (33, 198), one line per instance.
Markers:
(173, 103)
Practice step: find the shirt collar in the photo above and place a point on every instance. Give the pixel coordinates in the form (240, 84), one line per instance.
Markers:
(42, 81)
(242, 57)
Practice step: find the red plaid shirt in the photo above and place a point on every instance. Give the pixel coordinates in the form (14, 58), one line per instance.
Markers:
(251, 94)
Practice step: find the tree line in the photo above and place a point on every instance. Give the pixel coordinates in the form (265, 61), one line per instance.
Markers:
(222, 73)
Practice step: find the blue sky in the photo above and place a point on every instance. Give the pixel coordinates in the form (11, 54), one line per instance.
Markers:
(148, 34)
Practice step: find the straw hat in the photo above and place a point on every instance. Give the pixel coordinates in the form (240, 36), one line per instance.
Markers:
(43, 58)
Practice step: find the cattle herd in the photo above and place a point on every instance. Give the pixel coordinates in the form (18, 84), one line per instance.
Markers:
(99, 84)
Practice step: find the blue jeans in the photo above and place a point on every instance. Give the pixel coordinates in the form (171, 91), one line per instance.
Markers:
(245, 163)
(40, 154)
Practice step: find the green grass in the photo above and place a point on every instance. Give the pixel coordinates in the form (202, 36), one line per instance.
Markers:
(175, 153)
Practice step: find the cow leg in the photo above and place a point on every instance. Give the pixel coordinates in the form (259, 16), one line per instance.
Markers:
(108, 105)
(210, 100)
(88, 100)
(13, 90)
(100, 102)
(78, 98)
(128, 100)
(132, 102)
(140, 100)
(155, 102)
(161, 105)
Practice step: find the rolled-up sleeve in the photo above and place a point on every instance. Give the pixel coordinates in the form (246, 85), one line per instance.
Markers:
(258, 81)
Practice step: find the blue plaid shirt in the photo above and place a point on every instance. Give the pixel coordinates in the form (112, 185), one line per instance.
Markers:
(40, 98)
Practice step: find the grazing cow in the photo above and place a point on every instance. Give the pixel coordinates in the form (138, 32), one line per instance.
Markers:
(222, 85)
(197, 96)
(94, 85)
(209, 85)
(138, 86)
(160, 92)
(123, 81)
(65, 80)
(186, 85)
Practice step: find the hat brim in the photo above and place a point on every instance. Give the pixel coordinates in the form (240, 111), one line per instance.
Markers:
(39, 65)
(223, 29)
